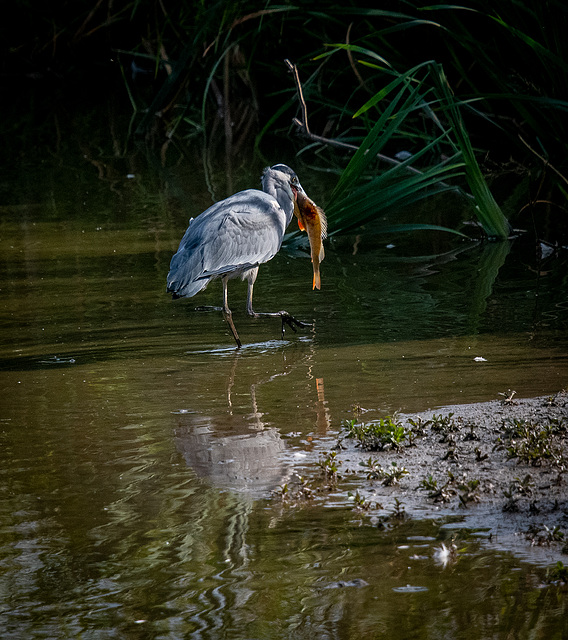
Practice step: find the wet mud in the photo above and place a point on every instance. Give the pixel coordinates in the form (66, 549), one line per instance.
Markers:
(499, 468)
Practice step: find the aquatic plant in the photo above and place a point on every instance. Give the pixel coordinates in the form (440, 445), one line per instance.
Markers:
(329, 464)
(389, 476)
(544, 535)
(534, 443)
(387, 433)
(362, 192)
(428, 484)
(443, 493)
(469, 492)
(393, 474)
(558, 573)
(297, 491)
(418, 425)
(399, 511)
(479, 455)
(517, 489)
(482, 83)
(359, 501)
(443, 424)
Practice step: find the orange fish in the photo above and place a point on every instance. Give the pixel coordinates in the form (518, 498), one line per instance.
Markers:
(311, 219)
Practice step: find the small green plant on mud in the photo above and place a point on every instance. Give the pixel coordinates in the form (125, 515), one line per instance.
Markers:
(471, 435)
(558, 399)
(329, 464)
(508, 397)
(544, 535)
(387, 433)
(555, 534)
(534, 443)
(428, 484)
(479, 455)
(398, 512)
(395, 517)
(443, 424)
(394, 474)
(517, 489)
(389, 476)
(295, 492)
(469, 492)
(558, 574)
(452, 452)
(439, 494)
(374, 469)
(360, 502)
(418, 425)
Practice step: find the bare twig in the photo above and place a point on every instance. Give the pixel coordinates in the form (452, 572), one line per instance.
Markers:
(550, 203)
(89, 17)
(544, 160)
(304, 123)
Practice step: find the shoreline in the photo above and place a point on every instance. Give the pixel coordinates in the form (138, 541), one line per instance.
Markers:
(499, 468)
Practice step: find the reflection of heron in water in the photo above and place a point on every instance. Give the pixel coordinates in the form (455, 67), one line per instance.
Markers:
(237, 448)
(235, 236)
(249, 460)
(231, 444)
(248, 463)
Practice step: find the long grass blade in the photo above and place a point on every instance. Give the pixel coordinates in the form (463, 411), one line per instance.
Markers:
(488, 211)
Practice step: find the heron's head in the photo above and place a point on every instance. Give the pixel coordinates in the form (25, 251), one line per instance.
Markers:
(281, 177)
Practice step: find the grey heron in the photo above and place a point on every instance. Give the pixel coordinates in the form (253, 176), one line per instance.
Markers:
(234, 237)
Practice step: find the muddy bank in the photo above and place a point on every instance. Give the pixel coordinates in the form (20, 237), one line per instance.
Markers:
(499, 467)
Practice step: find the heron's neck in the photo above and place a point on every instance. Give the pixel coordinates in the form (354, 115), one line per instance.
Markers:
(283, 196)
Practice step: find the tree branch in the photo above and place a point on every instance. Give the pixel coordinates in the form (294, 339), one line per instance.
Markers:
(303, 126)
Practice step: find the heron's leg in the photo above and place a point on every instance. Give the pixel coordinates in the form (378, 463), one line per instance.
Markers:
(249, 297)
(229, 316)
(286, 318)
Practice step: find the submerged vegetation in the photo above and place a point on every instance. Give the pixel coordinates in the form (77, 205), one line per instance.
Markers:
(403, 103)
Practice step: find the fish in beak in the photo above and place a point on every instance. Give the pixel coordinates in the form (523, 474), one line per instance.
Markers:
(311, 219)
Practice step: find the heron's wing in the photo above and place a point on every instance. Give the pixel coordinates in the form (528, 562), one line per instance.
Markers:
(232, 236)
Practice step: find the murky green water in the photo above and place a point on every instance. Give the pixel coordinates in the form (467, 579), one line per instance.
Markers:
(137, 446)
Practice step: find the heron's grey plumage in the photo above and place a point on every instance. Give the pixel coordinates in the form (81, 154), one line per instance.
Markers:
(234, 236)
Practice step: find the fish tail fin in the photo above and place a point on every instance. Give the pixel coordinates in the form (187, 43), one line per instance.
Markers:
(317, 280)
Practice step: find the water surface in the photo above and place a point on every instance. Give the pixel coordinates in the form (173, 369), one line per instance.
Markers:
(139, 446)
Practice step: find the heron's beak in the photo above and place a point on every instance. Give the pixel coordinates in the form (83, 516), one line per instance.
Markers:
(296, 190)
(297, 209)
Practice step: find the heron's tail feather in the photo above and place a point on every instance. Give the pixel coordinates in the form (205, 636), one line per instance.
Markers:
(186, 289)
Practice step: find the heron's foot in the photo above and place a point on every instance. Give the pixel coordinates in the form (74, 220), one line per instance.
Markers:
(292, 322)
(286, 319)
